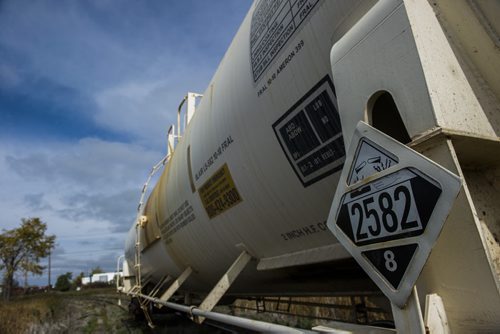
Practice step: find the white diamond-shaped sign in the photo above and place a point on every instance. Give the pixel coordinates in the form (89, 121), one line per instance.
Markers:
(389, 208)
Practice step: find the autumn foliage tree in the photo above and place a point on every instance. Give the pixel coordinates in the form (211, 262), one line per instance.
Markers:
(63, 282)
(22, 248)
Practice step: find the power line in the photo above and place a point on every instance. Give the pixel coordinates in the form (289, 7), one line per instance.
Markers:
(91, 251)
(75, 236)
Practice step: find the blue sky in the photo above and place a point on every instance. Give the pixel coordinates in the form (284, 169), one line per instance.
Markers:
(87, 91)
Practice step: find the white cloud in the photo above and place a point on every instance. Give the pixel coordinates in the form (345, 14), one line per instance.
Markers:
(36, 202)
(117, 208)
(136, 108)
(76, 43)
(88, 190)
(137, 65)
(90, 164)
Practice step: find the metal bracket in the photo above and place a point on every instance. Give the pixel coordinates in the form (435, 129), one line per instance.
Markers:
(144, 308)
(175, 285)
(409, 319)
(143, 220)
(435, 315)
(158, 287)
(224, 283)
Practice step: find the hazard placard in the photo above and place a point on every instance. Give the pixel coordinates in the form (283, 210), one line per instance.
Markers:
(389, 209)
(395, 206)
(370, 159)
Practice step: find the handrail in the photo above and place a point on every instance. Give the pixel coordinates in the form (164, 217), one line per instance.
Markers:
(121, 258)
(140, 223)
(190, 98)
(254, 325)
(179, 110)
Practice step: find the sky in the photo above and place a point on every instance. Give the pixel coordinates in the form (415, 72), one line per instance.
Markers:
(88, 89)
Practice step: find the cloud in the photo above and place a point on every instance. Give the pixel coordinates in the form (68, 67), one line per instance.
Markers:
(38, 107)
(141, 107)
(118, 208)
(129, 71)
(36, 202)
(91, 187)
(76, 43)
(90, 164)
(93, 182)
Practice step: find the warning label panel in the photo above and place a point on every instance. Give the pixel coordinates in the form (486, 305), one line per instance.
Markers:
(273, 23)
(369, 159)
(310, 134)
(219, 193)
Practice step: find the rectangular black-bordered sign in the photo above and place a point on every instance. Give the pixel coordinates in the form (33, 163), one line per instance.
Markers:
(310, 134)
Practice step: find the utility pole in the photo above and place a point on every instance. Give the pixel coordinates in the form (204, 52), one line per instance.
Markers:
(25, 280)
(50, 286)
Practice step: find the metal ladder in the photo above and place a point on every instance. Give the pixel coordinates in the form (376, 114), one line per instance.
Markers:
(142, 220)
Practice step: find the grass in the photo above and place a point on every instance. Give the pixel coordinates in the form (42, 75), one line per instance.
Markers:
(18, 315)
(87, 311)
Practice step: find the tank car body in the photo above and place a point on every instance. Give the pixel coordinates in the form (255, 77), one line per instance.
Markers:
(235, 181)
(259, 162)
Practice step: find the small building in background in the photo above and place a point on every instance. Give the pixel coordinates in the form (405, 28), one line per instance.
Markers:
(101, 278)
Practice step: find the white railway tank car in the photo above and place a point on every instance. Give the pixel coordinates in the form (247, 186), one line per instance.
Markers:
(259, 161)
(244, 173)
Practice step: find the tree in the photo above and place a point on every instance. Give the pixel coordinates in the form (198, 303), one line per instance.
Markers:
(97, 270)
(27, 266)
(22, 248)
(78, 280)
(63, 282)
